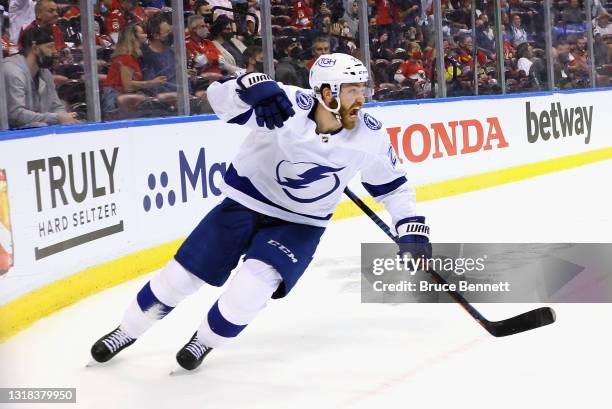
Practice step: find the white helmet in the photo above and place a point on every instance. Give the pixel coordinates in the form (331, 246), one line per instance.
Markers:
(334, 70)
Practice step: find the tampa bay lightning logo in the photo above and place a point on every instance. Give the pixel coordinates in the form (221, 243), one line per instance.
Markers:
(306, 182)
(371, 122)
(392, 156)
(304, 101)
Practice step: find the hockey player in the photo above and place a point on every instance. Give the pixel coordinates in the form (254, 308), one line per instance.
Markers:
(282, 188)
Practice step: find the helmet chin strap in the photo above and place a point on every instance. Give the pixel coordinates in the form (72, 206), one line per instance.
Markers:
(335, 111)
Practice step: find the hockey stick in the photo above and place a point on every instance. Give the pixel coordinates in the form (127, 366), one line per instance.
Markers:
(520, 323)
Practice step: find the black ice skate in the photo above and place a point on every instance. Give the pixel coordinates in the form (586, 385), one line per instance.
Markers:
(192, 354)
(110, 345)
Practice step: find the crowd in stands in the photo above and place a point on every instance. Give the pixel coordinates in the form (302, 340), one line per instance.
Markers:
(135, 49)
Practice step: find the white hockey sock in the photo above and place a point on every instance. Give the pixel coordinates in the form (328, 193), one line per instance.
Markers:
(158, 297)
(246, 295)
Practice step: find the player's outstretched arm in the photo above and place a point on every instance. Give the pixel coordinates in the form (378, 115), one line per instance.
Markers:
(252, 99)
(388, 183)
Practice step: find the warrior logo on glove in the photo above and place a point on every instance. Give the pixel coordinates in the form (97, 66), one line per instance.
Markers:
(270, 103)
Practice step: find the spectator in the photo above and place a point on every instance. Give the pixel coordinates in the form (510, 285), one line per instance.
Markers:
(158, 57)
(351, 17)
(290, 70)
(381, 46)
(386, 15)
(572, 14)
(320, 46)
(250, 20)
(21, 13)
(123, 12)
(333, 8)
(6, 46)
(241, 7)
(227, 4)
(561, 63)
(464, 54)
(201, 52)
(323, 25)
(372, 27)
(302, 15)
(46, 16)
(602, 32)
(253, 55)
(204, 9)
(485, 37)
(231, 49)
(409, 12)
(524, 55)
(598, 6)
(531, 66)
(602, 26)
(125, 74)
(516, 32)
(580, 66)
(412, 68)
(30, 91)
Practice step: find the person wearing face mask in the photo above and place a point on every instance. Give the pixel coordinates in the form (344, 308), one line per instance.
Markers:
(290, 70)
(231, 48)
(158, 57)
(412, 66)
(30, 92)
(202, 54)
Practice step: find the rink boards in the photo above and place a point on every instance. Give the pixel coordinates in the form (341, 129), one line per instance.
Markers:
(86, 207)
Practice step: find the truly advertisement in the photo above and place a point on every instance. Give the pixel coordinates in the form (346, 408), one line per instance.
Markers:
(75, 199)
(6, 234)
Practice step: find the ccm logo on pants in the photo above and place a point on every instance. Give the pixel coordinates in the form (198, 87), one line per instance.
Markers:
(284, 250)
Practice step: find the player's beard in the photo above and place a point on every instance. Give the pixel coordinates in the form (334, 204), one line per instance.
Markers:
(348, 121)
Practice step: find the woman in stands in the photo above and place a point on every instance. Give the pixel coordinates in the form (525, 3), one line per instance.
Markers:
(125, 74)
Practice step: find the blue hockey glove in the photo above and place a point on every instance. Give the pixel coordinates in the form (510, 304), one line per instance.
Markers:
(270, 103)
(414, 237)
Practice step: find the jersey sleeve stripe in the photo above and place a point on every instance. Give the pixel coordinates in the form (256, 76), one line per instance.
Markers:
(241, 119)
(379, 190)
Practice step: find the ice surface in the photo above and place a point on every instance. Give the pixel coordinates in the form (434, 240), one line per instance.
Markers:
(321, 348)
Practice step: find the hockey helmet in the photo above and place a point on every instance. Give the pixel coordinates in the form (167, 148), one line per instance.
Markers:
(334, 70)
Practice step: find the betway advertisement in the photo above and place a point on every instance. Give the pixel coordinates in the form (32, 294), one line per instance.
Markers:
(72, 201)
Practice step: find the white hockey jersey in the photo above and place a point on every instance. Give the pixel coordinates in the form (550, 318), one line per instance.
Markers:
(295, 174)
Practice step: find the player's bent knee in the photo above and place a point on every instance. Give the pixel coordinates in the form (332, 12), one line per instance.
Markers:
(249, 291)
(173, 283)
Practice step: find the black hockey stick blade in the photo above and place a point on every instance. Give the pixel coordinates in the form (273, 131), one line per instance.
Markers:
(522, 322)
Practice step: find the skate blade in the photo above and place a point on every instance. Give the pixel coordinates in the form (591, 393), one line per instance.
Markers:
(180, 371)
(92, 363)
